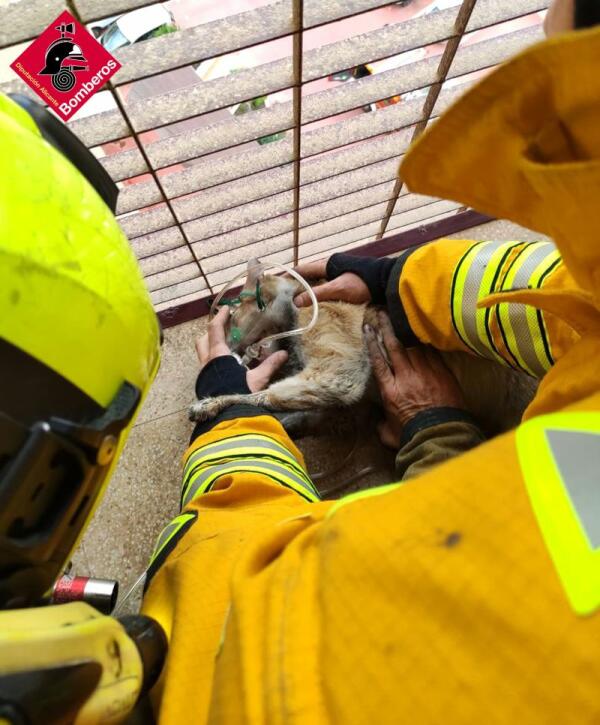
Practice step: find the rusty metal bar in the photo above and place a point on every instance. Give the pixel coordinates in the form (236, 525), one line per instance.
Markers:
(460, 26)
(298, 6)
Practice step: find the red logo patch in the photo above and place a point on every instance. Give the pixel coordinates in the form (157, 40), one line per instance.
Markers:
(65, 65)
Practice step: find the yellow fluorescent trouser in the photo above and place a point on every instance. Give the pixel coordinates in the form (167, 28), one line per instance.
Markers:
(442, 283)
(435, 600)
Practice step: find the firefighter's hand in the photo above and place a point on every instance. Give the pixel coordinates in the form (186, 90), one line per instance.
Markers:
(410, 380)
(348, 287)
(213, 344)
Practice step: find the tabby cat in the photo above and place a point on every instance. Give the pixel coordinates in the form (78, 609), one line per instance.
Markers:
(328, 366)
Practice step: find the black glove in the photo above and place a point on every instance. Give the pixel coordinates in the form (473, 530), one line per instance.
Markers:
(223, 375)
(375, 273)
(382, 277)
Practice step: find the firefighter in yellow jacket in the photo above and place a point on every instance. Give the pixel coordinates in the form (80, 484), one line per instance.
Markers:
(471, 592)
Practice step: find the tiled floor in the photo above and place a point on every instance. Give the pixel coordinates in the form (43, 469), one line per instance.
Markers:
(144, 492)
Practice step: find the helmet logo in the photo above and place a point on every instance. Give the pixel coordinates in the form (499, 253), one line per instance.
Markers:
(65, 65)
(63, 59)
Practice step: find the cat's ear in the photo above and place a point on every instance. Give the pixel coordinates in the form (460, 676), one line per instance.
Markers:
(254, 274)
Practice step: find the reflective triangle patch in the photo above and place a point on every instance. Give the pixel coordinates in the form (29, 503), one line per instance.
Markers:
(559, 456)
(577, 457)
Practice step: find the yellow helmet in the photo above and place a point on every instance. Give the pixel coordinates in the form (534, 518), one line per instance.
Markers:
(79, 344)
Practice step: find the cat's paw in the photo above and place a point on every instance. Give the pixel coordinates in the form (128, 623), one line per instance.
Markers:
(203, 410)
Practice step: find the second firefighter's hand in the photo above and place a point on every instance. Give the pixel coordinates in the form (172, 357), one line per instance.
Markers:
(213, 345)
(351, 279)
(348, 287)
(410, 381)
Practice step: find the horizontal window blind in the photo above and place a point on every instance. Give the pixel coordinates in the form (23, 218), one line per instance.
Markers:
(313, 169)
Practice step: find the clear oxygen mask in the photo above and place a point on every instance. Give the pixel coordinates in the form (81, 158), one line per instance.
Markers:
(254, 351)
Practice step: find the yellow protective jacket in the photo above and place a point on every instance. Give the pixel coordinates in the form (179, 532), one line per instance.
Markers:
(470, 593)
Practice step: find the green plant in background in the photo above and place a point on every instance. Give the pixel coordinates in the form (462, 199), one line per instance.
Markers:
(163, 30)
(271, 137)
(254, 105)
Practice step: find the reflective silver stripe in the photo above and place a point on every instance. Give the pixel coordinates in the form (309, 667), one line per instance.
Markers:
(204, 478)
(242, 446)
(528, 267)
(168, 532)
(517, 313)
(470, 296)
(165, 535)
(577, 457)
(233, 444)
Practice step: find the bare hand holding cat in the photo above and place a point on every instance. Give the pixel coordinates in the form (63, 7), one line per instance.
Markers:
(410, 381)
(213, 344)
(348, 287)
